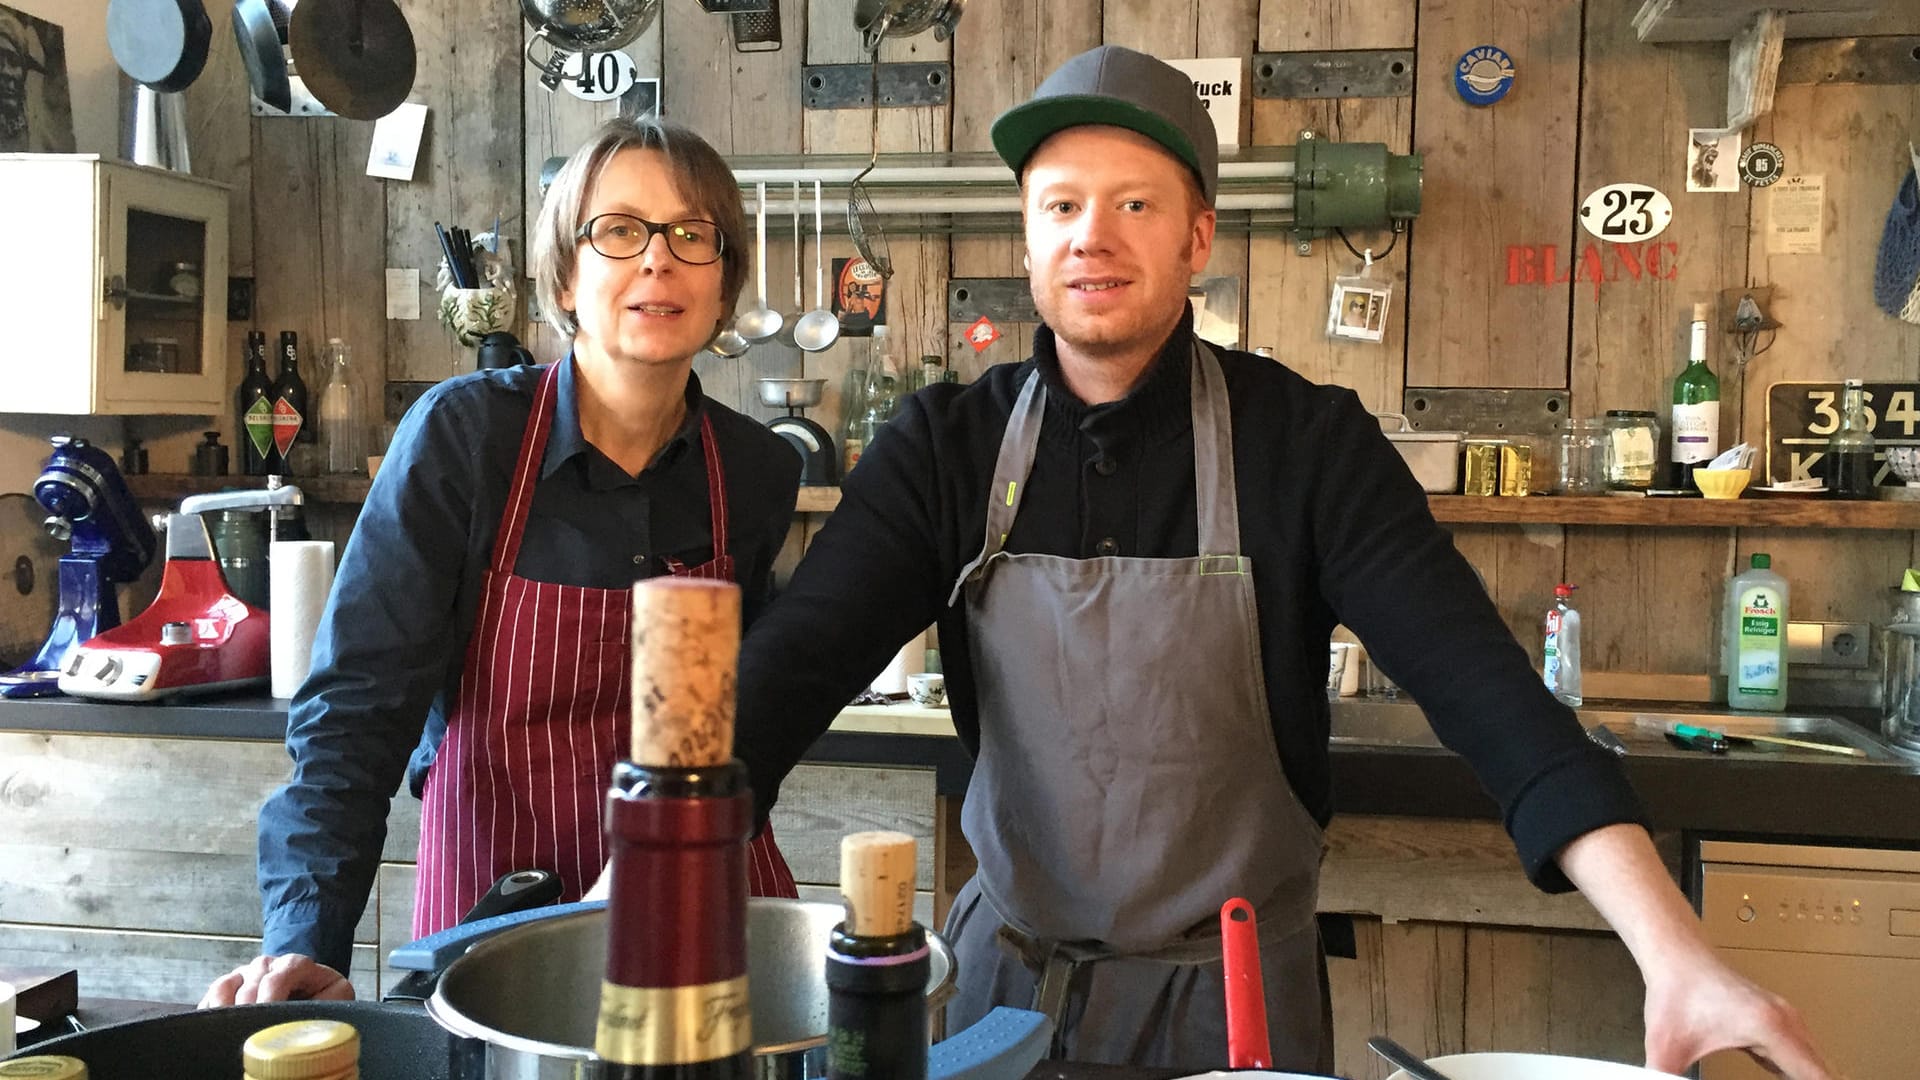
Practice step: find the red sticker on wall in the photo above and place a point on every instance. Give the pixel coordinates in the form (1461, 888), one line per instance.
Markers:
(982, 334)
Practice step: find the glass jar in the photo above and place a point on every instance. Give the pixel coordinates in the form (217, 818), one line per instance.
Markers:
(183, 279)
(1633, 449)
(1583, 458)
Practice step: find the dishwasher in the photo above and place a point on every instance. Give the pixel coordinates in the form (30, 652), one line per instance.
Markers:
(1834, 930)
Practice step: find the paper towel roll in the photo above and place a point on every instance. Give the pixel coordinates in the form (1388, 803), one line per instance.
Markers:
(6, 1019)
(910, 660)
(299, 578)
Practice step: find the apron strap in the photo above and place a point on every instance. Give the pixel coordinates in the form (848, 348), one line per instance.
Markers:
(716, 483)
(1213, 484)
(1010, 470)
(533, 451)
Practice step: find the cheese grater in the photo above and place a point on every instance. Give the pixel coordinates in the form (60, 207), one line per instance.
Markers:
(757, 31)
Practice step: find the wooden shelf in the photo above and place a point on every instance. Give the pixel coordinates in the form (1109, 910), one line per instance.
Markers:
(172, 487)
(1454, 509)
(1677, 512)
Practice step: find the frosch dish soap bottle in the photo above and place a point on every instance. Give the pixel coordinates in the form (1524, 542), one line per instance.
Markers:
(1756, 648)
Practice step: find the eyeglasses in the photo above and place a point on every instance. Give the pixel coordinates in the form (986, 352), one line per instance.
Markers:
(623, 236)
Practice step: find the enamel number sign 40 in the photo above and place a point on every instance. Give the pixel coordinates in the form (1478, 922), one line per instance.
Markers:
(598, 76)
(1624, 213)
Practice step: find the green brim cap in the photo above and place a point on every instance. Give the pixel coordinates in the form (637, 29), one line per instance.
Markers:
(1117, 86)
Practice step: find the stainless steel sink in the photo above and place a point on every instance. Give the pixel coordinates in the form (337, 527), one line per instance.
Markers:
(1401, 723)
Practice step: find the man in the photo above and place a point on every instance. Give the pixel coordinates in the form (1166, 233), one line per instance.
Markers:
(1136, 547)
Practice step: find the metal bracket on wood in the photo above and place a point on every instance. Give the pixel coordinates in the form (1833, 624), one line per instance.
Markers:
(1000, 299)
(1875, 61)
(735, 7)
(1340, 73)
(845, 86)
(1487, 411)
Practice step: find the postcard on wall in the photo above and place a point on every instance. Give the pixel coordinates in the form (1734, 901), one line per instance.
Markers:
(859, 297)
(396, 142)
(1713, 160)
(1796, 215)
(36, 105)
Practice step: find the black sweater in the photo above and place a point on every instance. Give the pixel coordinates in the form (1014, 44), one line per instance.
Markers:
(1337, 529)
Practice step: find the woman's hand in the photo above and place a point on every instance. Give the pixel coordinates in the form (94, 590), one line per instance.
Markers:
(1696, 1008)
(292, 977)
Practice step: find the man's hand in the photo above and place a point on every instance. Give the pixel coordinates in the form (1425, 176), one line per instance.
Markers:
(292, 977)
(1696, 1004)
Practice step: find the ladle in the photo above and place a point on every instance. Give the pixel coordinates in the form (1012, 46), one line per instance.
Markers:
(1405, 1060)
(818, 329)
(729, 344)
(762, 322)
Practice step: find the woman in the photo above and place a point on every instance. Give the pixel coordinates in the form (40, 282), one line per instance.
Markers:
(486, 585)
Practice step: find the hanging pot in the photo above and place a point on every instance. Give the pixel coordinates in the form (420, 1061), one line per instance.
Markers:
(356, 56)
(261, 52)
(582, 26)
(877, 19)
(159, 43)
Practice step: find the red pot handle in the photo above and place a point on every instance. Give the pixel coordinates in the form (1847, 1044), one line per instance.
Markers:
(1247, 1043)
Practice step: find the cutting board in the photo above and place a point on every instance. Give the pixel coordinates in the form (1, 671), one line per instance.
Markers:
(43, 994)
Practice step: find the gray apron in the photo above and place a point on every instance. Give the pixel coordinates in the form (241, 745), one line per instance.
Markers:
(1127, 784)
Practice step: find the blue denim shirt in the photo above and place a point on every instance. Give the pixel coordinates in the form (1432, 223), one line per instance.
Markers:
(392, 642)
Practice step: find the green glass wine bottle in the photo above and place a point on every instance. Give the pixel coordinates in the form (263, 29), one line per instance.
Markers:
(1696, 406)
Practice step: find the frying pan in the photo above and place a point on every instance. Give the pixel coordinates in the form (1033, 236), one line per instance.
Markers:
(356, 56)
(260, 51)
(159, 43)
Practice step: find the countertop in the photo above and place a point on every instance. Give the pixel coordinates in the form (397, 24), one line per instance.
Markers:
(1809, 800)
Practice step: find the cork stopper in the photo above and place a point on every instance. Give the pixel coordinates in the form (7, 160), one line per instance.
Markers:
(1703, 311)
(877, 875)
(686, 650)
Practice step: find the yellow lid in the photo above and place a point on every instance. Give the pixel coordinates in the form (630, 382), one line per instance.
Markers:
(303, 1050)
(44, 1067)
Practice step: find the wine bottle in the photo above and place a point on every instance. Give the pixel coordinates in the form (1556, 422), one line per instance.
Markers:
(674, 1002)
(254, 411)
(1848, 462)
(1696, 406)
(289, 405)
(877, 965)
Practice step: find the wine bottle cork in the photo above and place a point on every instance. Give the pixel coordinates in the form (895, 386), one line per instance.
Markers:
(877, 873)
(1703, 312)
(686, 652)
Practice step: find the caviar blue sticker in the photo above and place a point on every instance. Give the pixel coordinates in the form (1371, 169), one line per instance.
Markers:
(1483, 75)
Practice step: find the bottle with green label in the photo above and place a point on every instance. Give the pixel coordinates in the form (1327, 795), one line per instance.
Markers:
(1756, 650)
(254, 410)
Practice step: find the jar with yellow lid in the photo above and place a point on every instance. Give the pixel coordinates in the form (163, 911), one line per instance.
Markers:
(303, 1050)
(44, 1067)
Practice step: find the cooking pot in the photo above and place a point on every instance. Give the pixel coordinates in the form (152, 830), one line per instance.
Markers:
(530, 993)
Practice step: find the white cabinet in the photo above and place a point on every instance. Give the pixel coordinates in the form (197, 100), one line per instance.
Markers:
(113, 280)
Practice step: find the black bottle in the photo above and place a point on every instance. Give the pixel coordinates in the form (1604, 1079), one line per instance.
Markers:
(253, 415)
(289, 406)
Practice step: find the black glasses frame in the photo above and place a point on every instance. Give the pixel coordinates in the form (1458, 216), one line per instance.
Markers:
(655, 228)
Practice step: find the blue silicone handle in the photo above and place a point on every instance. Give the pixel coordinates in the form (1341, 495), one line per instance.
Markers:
(1005, 1042)
(436, 951)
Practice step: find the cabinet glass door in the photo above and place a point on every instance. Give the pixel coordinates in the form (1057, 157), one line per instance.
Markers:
(163, 340)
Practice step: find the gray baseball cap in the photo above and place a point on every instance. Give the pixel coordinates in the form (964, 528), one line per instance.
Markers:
(1117, 86)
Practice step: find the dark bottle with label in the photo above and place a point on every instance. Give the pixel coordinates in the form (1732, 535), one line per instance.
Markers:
(1848, 462)
(878, 961)
(674, 1001)
(253, 417)
(289, 406)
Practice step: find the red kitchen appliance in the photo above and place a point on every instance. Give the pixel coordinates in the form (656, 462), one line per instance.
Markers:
(196, 636)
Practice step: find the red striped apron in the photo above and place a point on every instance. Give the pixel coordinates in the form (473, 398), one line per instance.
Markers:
(537, 723)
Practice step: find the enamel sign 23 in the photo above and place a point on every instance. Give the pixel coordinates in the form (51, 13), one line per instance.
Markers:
(1624, 213)
(598, 76)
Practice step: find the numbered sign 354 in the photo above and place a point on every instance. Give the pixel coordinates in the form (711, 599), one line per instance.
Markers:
(1801, 416)
(599, 76)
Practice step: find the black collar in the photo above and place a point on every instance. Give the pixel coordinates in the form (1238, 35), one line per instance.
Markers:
(1158, 407)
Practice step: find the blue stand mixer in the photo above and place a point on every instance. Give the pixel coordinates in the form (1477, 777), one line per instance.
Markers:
(93, 509)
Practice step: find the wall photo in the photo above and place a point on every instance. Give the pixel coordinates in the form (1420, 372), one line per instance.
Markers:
(36, 105)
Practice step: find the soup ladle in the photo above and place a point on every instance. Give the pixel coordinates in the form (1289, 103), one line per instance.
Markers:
(763, 321)
(818, 329)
